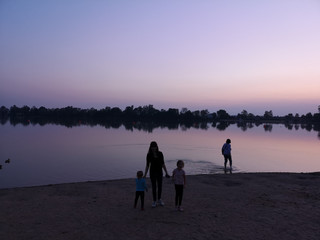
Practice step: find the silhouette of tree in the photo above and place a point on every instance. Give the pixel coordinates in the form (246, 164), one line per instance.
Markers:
(244, 113)
(187, 115)
(222, 114)
(4, 111)
(204, 113)
(147, 118)
(268, 114)
(128, 112)
(4, 114)
(196, 114)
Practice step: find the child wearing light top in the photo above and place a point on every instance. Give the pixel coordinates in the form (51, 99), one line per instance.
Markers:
(179, 179)
(141, 186)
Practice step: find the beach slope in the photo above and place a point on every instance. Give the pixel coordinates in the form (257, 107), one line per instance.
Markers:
(239, 206)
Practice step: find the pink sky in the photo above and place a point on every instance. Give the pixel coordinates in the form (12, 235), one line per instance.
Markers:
(232, 55)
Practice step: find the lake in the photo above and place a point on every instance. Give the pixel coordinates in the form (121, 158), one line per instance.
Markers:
(51, 154)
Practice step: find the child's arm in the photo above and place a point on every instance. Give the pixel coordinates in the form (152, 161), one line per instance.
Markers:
(173, 175)
(184, 179)
(146, 186)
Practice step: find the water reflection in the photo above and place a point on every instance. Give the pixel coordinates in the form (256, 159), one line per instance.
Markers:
(150, 126)
(228, 170)
(268, 127)
(51, 154)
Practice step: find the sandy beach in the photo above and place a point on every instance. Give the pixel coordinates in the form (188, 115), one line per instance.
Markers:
(232, 206)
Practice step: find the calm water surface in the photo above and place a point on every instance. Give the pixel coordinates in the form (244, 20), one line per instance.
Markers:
(51, 154)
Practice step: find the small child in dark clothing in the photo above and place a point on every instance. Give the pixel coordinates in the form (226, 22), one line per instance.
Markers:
(179, 179)
(141, 185)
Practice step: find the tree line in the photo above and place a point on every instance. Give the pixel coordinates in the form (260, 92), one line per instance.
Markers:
(146, 113)
(148, 118)
(75, 116)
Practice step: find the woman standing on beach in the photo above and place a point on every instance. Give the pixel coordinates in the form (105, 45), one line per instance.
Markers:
(155, 161)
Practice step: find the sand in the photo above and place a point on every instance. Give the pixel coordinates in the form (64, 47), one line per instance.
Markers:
(232, 206)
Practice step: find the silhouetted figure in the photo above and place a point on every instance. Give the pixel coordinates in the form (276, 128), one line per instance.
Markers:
(155, 161)
(179, 180)
(226, 152)
(7, 161)
(141, 186)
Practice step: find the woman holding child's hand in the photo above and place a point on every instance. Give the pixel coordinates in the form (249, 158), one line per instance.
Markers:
(155, 162)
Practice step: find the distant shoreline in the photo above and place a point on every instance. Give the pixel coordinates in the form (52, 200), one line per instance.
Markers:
(73, 115)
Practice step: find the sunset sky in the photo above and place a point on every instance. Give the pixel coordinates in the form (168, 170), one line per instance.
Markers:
(199, 54)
